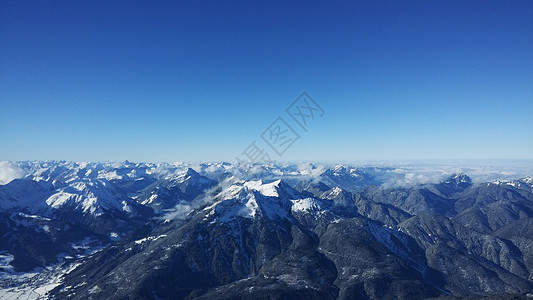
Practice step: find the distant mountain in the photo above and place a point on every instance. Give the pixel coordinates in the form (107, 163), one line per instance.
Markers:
(453, 185)
(172, 189)
(222, 231)
(348, 178)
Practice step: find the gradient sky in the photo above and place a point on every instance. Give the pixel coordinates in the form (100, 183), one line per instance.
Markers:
(201, 80)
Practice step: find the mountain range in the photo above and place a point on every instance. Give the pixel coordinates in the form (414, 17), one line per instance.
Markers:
(128, 230)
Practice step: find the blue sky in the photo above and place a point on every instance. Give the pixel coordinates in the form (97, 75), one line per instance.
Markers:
(201, 80)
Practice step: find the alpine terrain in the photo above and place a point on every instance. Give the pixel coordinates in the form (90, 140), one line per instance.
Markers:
(232, 231)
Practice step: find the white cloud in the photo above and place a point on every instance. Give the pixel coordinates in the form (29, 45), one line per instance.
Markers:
(478, 170)
(9, 171)
(179, 212)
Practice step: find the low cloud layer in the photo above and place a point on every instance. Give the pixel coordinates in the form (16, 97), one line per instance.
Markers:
(479, 171)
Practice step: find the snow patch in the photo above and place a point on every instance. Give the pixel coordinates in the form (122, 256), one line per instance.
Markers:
(149, 239)
(5, 261)
(33, 217)
(59, 199)
(150, 200)
(307, 204)
(126, 207)
(94, 290)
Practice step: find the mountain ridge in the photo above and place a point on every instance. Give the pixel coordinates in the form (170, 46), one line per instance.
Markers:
(217, 234)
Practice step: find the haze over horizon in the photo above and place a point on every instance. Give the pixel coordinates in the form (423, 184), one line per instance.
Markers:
(201, 81)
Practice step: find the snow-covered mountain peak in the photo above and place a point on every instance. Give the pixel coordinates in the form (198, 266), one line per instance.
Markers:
(463, 178)
(456, 182)
(90, 196)
(266, 189)
(252, 199)
(180, 176)
(527, 180)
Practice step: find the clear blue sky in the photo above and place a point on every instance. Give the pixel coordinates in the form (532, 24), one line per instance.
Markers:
(201, 80)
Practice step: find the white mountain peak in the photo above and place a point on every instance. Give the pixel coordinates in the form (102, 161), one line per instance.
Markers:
(266, 189)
